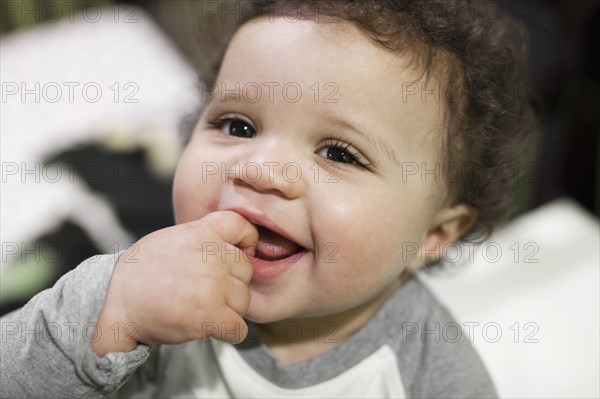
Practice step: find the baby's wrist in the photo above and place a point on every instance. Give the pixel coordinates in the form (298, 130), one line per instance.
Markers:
(114, 334)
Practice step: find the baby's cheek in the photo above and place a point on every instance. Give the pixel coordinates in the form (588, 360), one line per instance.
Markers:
(373, 257)
(194, 195)
(179, 198)
(357, 264)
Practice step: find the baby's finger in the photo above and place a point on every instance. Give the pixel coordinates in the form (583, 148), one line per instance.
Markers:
(232, 328)
(233, 229)
(239, 263)
(238, 296)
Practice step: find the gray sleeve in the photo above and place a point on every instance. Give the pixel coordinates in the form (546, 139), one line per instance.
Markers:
(46, 345)
(451, 370)
(435, 356)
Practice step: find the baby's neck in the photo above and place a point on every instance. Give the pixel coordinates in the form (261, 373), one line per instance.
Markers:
(295, 340)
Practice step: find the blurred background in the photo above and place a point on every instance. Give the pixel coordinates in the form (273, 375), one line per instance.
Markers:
(96, 94)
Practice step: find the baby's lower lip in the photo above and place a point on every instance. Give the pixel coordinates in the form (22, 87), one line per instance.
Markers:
(266, 270)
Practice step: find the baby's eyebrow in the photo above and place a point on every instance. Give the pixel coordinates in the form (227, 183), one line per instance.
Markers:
(374, 140)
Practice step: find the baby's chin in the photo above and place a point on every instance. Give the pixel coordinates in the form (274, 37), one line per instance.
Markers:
(261, 313)
(264, 310)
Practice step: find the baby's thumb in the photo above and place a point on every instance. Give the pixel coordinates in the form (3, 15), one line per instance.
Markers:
(234, 330)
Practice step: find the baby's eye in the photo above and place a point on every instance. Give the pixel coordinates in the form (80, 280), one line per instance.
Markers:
(338, 154)
(234, 127)
(341, 152)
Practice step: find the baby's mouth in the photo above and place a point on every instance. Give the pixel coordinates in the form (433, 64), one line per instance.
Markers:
(272, 246)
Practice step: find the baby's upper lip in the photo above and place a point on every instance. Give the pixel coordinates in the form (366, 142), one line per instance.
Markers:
(263, 220)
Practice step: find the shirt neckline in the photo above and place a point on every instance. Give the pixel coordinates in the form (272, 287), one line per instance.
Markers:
(379, 330)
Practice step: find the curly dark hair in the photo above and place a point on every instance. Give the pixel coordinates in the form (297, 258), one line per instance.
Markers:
(472, 45)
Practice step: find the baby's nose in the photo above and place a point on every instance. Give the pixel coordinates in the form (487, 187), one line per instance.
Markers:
(271, 170)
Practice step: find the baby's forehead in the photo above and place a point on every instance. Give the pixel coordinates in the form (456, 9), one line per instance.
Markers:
(304, 52)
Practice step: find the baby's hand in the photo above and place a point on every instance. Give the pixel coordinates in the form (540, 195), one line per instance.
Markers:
(180, 283)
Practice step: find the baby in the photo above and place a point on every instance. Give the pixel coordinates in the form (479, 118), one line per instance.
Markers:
(315, 183)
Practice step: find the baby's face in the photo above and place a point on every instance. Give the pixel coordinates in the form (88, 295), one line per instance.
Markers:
(323, 167)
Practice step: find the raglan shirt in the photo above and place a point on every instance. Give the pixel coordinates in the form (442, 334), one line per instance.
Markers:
(410, 348)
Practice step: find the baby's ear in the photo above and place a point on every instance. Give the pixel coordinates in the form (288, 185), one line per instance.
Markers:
(448, 226)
